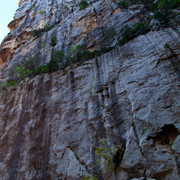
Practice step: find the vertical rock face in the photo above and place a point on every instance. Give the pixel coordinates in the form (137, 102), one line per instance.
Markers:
(125, 102)
(70, 25)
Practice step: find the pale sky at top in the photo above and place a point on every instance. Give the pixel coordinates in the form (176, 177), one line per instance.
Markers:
(7, 11)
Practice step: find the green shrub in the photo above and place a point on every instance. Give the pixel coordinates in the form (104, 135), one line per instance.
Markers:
(166, 5)
(93, 177)
(38, 32)
(57, 61)
(126, 34)
(43, 44)
(80, 54)
(162, 9)
(42, 69)
(53, 41)
(22, 44)
(127, 3)
(144, 129)
(65, 7)
(9, 83)
(171, 144)
(109, 37)
(83, 5)
(123, 4)
(161, 16)
(166, 46)
(41, 12)
(48, 27)
(103, 106)
(26, 68)
(77, 54)
(141, 28)
(23, 70)
(23, 73)
(110, 155)
(33, 6)
(129, 33)
(53, 65)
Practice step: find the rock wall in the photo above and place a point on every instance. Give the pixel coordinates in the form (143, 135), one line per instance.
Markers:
(71, 27)
(52, 125)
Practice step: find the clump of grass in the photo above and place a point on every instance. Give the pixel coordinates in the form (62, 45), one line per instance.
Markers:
(83, 5)
(65, 7)
(41, 12)
(129, 33)
(162, 9)
(53, 41)
(7, 84)
(109, 37)
(144, 129)
(92, 177)
(110, 156)
(171, 144)
(166, 46)
(40, 31)
(123, 4)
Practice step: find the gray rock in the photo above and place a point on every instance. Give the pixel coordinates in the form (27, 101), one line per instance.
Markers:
(51, 125)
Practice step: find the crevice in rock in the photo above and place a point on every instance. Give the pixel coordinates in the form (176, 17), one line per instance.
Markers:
(137, 138)
(177, 160)
(97, 75)
(46, 154)
(79, 160)
(134, 127)
(119, 155)
(99, 132)
(175, 61)
(161, 175)
(96, 169)
(167, 134)
(72, 80)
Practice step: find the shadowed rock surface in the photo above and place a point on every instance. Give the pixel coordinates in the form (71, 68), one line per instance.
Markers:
(51, 125)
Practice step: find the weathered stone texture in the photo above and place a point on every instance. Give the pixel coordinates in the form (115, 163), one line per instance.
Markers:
(50, 125)
(71, 27)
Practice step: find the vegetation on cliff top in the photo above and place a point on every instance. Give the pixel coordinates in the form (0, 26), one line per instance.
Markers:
(79, 53)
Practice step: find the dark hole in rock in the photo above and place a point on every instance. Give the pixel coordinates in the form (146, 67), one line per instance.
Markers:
(4, 55)
(119, 156)
(167, 134)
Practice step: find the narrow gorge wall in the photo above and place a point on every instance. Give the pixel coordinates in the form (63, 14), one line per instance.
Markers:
(52, 125)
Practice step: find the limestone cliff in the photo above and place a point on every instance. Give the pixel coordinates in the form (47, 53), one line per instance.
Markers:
(113, 117)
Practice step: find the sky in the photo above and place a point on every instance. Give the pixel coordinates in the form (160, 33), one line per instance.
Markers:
(7, 11)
